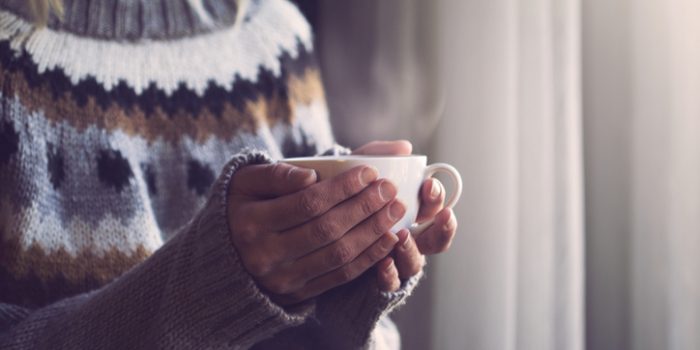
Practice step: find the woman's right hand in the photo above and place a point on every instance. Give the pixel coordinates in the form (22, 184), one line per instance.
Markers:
(299, 238)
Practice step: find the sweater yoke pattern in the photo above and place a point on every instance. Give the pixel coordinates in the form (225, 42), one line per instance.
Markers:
(121, 128)
(109, 146)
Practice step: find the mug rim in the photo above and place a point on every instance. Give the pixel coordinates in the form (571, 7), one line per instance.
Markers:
(352, 157)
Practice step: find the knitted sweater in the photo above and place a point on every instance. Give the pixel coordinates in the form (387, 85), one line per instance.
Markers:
(115, 122)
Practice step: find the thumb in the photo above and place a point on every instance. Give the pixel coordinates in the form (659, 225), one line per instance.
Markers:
(271, 180)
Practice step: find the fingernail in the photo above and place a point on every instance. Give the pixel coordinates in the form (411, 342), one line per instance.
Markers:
(387, 191)
(302, 173)
(390, 266)
(389, 241)
(396, 210)
(382, 265)
(449, 225)
(406, 240)
(369, 174)
(435, 189)
(403, 237)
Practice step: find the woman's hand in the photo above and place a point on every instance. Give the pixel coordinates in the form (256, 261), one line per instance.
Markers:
(408, 258)
(299, 238)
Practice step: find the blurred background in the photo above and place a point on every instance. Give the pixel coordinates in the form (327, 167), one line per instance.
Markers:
(576, 127)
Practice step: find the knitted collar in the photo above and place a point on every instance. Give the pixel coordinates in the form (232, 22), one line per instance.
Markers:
(136, 19)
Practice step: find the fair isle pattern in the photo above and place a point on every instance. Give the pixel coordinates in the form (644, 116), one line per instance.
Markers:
(222, 119)
(120, 132)
(106, 156)
(270, 28)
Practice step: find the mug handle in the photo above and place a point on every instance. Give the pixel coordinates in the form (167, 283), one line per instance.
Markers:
(456, 178)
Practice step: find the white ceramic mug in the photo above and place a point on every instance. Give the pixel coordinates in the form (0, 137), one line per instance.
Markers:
(406, 172)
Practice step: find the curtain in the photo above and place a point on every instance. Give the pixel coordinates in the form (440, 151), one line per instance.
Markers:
(512, 124)
(642, 126)
(576, 127)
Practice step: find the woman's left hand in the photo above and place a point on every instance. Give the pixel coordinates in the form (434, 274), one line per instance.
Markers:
(409, 253)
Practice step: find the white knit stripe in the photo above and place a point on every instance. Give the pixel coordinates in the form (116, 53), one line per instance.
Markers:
(313, 118)
(47, 230)
(276, 27)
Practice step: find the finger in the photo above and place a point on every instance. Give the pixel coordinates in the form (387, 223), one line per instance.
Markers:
(438, 237)
(407, 258)
(387, 276)
(432, 196)
(399, 147)
(297, 208)
(335, 223)
(346, 249)
(271, 180)
(370, 257)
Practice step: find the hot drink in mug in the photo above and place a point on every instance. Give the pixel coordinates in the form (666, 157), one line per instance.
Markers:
(406, 172)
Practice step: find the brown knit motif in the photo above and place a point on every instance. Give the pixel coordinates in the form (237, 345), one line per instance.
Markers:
(302, 89)
(34, 277)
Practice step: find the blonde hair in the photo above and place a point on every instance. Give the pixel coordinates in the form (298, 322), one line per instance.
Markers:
(41, 9)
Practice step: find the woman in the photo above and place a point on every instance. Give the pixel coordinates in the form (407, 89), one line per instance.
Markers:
(117, 232)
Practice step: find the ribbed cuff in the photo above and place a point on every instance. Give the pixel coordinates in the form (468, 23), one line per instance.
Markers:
(11, 314)
(349, 313)
(226, 298)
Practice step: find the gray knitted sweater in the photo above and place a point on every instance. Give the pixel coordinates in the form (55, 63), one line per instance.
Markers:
(121, 126)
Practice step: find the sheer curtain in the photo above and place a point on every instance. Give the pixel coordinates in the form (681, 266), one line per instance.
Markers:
(514, 279)
(642, 114)
(576, 126)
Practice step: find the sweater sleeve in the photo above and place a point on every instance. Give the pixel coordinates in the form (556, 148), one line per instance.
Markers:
(191, 293)
(352, 316)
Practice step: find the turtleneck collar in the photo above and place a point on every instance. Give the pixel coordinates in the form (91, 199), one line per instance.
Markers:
(137, 19)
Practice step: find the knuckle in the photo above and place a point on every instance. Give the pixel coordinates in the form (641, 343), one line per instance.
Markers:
(345, 274)
(324, 231)
(380, 223)
(309, 205)
(279, 286)
(339, 255)
(257, 265)
(376, 254)
(367, 206)
(348, 186)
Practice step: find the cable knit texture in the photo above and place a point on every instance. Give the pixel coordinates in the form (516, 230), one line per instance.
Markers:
(113, 127)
